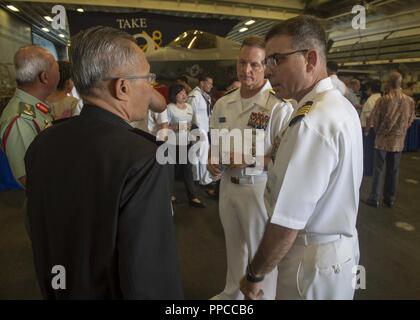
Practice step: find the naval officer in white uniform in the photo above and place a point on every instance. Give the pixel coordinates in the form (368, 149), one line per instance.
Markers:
(312, 193)
(241, 202)
(200, 100)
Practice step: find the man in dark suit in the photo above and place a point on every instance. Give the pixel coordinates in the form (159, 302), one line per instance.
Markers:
(98, 201)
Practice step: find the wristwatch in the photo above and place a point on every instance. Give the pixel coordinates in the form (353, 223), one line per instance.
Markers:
(251, 277)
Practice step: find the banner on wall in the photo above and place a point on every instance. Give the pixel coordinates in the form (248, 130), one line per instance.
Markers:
(161, 28)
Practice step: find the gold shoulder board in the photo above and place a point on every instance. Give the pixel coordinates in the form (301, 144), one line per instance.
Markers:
(302, 112)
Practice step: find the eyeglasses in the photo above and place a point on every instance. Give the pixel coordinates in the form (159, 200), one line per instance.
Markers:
(151, 77)
(276, 58)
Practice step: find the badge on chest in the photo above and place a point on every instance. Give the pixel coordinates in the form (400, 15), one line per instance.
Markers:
(258, 120)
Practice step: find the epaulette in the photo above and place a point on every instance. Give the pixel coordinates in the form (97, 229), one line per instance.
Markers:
(301, 113)
(230, 91)
(27, 110)
(273, 92)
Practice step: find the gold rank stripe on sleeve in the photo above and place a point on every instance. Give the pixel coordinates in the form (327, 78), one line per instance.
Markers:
(302, 112)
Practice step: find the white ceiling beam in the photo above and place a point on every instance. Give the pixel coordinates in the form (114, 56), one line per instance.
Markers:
(283, 4)
(384, 24)
(222, 8)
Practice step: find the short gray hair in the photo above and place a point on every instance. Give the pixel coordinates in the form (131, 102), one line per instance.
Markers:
(29, 62)
(305, 31)
(97, 52)
(355, 82)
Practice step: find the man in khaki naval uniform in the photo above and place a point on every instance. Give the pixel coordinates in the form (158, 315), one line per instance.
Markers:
(241, 201)
(26, 114)
(312, 192)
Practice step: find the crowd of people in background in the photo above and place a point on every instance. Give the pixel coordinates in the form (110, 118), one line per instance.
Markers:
(368, 99)
(113, 172)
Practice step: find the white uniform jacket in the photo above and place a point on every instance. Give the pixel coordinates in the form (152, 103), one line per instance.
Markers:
(201, 108)
(318, 168)
(266, 112)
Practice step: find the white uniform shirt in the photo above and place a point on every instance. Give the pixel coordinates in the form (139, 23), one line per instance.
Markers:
(314, 182)
(200, 108)
(228, 113)
(368, 107)
(176, 115)
(338, 84)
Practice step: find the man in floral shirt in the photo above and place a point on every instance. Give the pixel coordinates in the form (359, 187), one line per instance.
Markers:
(392, 116)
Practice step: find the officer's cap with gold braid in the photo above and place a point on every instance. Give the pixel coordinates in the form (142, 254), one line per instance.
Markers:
(302, 112)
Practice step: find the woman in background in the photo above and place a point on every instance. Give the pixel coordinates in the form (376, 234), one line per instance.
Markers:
(63, 105)
(180, 116)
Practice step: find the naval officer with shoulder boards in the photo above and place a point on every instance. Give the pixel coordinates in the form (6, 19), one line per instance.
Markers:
(312, 193)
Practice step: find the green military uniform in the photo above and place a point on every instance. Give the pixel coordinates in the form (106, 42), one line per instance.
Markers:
(22, 119)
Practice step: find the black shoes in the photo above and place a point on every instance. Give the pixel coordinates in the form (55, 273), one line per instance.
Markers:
(388, 203)
(375, 204)
(372, 203)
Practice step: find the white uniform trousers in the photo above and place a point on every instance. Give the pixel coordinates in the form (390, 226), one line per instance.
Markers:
(199, 169)
(318, 271)
(244, 219)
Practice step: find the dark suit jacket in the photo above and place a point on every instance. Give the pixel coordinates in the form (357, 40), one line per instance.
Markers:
(99, 205)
